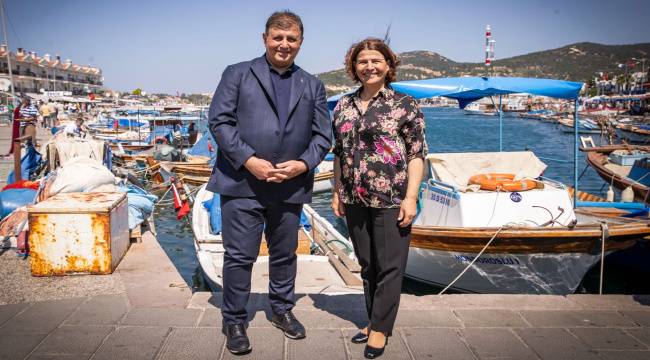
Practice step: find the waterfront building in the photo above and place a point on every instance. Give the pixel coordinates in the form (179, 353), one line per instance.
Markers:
(33, 73)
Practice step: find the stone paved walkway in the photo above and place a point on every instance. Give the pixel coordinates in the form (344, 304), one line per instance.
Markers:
(447, 327)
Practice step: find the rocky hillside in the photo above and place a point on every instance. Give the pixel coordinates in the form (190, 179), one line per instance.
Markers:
(577, 62)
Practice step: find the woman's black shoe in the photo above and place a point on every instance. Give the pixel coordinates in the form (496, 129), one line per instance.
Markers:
(359, 338)
(372, 353)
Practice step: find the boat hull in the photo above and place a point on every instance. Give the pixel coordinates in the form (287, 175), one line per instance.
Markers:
(535, 273)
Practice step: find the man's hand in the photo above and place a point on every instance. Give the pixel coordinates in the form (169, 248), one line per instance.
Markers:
(260, 168)
(287, 170)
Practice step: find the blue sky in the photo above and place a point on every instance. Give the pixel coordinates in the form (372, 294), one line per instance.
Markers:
(184, 46)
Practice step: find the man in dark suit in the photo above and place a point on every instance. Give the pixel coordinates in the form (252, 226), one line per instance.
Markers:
(270, 121)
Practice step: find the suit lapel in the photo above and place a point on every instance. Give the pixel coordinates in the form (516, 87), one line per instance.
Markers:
(297, 88)
(262, 72)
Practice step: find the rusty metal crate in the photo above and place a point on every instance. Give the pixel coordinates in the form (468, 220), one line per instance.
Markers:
(78, 233)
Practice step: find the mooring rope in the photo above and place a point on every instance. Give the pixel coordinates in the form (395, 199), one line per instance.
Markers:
(472, 262)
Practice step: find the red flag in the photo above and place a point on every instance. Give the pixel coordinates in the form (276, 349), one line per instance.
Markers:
(182, 207)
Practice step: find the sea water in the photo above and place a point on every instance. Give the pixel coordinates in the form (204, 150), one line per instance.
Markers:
(451, 130)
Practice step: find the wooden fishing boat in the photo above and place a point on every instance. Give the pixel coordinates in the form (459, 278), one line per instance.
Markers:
(529, 241)
(633, 133)
(327, 269)
(615, 174)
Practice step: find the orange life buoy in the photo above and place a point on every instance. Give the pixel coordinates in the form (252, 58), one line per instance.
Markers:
(160, 140)
(502, 182)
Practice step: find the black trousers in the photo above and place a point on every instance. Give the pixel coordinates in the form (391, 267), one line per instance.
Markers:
(381, 246)
(243, 220)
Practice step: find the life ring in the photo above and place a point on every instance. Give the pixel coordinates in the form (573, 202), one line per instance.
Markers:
(502, 182)
(160, 140)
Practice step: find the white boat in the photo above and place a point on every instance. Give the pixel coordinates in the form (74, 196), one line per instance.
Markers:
(538, 244)
(324, 177)
(327, 273)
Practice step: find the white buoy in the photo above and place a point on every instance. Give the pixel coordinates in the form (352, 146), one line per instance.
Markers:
(627, 195)
(610, 194)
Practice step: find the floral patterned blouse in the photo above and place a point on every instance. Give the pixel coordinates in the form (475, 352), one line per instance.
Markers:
(374, 148)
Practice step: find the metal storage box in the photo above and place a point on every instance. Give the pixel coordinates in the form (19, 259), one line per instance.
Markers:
(629, 159)
(78, 233)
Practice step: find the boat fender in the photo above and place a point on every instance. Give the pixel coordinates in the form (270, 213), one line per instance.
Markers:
(501, 182)
(627, 195)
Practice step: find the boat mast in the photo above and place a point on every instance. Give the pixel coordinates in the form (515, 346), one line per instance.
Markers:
(4, 32)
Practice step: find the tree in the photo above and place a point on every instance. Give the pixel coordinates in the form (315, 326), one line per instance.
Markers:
(137, 92)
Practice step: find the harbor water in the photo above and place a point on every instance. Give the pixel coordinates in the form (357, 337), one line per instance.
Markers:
(451, 130)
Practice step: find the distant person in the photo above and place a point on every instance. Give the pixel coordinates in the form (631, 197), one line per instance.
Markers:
(44, 111)
(53, 114)
(379, 149)
(76, 128)
(27, 119)
(15, 128)
(192, 134)
(269, 118)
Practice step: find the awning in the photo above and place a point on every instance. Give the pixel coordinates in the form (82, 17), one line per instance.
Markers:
(469, 89)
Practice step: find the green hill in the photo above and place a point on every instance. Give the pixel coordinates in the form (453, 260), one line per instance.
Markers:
(576, 62)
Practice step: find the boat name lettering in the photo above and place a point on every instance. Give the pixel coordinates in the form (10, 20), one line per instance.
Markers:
(488, 260)
(441, 199)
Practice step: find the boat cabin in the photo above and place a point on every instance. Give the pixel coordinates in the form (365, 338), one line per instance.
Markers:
(448, 198)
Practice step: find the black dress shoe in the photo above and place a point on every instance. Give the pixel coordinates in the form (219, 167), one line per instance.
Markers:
(359, 338)
(372, 353)
(288, 323)
(236, 339)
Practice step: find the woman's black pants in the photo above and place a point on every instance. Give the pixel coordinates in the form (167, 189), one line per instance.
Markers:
(381, 246)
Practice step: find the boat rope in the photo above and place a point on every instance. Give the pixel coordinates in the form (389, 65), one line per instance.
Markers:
(473, 261)
(604, 235)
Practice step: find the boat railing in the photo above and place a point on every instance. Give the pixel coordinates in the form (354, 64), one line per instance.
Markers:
(433, 182)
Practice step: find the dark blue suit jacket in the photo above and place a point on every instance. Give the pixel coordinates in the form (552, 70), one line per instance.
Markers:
(244, 122)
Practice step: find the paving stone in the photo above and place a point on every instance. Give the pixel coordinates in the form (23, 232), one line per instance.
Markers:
(331, 302)
(427, 318)
(211, 317)
(428, 302)
(396, 349)
(100, 310)
(162, 317)
(490, 318)
(58, 357)
(74, 340)
(317, 319)
(14, 346)
(196, 344)
(496, 343)
(639, 317)
(436, 343)
(642, 334)
(127, 343)
(624, 355)
(610, 302)
(607, 339)
(509, 302)
(41, 318)
(205, 299)
(266, 345)
(576, 318)
(555, 344)
(10, 310)
(326, 344)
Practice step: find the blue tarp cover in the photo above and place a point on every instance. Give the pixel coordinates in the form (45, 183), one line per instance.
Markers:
(469, 89)
(28, 164)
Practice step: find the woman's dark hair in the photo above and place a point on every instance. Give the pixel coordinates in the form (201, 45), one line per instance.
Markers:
(371, 44)
(284, 20)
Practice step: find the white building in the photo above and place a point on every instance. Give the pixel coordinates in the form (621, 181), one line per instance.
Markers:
(32, 73)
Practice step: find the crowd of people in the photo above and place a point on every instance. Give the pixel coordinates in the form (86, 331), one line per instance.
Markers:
(31, 113)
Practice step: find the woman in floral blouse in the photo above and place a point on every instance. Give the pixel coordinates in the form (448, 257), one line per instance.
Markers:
(379, 148)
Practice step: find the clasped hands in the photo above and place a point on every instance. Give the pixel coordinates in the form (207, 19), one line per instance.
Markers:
(264, 170)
